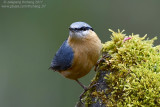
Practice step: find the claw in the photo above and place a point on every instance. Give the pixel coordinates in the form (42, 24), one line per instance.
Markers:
(85, 90)
(104, 56)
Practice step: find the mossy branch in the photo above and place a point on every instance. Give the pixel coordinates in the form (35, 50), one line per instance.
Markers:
(128, 75)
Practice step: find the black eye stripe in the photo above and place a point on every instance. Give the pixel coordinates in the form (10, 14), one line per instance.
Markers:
(82, 29)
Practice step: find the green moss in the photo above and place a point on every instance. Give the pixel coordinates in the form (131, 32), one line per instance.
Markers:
(130, 71)
(135, 65)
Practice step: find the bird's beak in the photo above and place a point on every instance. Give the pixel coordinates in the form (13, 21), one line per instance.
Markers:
(71, 29)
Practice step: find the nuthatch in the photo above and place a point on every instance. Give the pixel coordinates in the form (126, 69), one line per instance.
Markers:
(79, 53)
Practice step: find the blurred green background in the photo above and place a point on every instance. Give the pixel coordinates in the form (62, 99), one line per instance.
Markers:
(29, 38)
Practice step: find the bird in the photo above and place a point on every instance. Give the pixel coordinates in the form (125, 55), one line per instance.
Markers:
(78, 54)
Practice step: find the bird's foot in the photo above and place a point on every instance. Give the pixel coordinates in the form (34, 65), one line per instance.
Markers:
(85, 90)
(103, 59)
(98, 62)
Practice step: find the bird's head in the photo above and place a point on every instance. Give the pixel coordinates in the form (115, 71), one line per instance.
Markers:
(79, 29)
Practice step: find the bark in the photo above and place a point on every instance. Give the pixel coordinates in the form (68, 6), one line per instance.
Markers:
(102, 86)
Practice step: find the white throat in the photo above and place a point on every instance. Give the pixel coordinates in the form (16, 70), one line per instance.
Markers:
(80, 34)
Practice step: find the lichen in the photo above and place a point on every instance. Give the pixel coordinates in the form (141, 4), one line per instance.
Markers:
(134, 78)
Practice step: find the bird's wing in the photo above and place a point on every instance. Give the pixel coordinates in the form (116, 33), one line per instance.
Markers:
(63, 58)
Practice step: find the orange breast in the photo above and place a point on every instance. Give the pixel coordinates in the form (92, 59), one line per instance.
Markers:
(86, 53)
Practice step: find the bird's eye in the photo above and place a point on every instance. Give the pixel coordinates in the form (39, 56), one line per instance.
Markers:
(76, 29)
(83, 28)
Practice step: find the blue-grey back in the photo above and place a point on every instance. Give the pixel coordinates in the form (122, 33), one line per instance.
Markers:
(63, 58)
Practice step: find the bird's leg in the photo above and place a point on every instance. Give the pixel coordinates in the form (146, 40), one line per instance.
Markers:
(85, 88)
